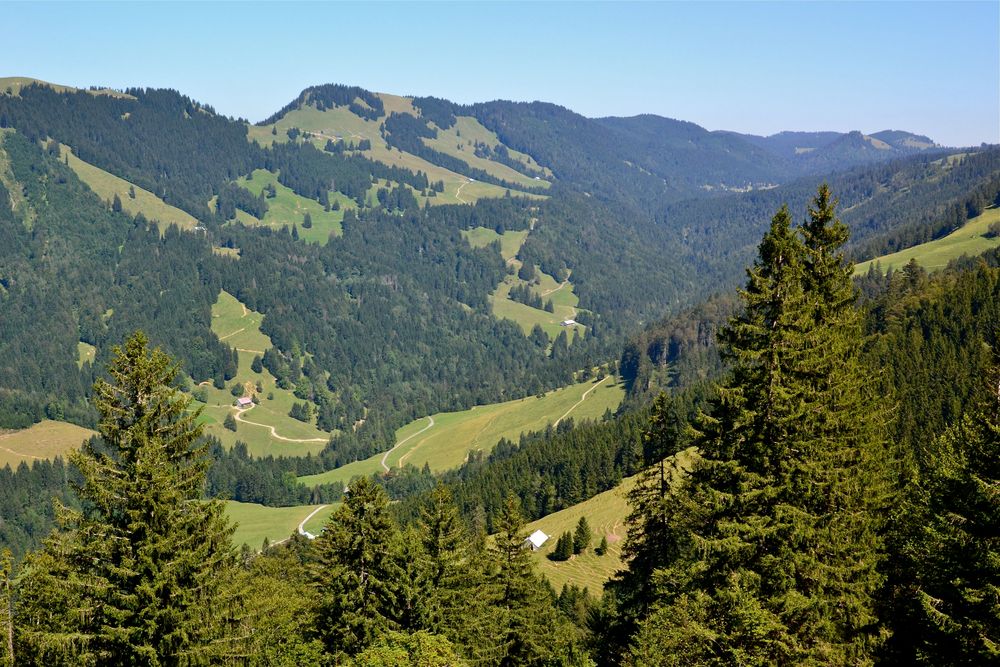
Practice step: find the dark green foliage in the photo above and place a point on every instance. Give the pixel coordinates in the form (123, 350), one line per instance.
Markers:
(602, 548)
(582, 536)
(769, 547)
(130, 578)
(230, 422)
(947, 545)
(170, 145)
(564, 548)
(357, 573)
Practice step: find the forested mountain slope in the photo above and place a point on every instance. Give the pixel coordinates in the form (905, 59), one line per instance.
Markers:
(344, 220)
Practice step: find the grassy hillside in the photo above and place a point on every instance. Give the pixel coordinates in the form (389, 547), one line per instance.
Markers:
(564, 300)
(970, 239)
(288, 209)
(266, 428)
(107, 186)
(255, 522)
(606, 513)
(445, 439)
(510, 242)
(339, 123)
(44, 440)
(460, 141)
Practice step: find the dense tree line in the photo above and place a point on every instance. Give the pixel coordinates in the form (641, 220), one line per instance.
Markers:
(158, 139)
(334, 95)
(75, 271)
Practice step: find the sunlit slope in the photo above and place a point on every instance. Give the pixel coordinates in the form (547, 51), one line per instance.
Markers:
(444, 440)
(973, 238)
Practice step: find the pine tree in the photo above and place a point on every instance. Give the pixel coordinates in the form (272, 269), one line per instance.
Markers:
(582, 536)
(602, 548)
(771, 547)
(138, 573)
(356, 572)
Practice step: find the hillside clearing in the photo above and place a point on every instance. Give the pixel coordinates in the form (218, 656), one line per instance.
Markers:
(44, 440)
(106, 186)
(85, 352)
(969, 239)
(267, 429)
(606, 513)
(453, 435)
(289, 209)
(339, 123)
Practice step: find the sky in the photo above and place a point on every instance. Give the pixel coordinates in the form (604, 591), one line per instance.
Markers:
(930, 68)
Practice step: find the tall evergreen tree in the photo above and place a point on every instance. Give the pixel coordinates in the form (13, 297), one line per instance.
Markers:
(771, 550)
(136, 577)
(356, 572)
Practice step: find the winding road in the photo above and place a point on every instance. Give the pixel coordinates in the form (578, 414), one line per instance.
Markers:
(403, 441)
(274, 434)
(302, 526)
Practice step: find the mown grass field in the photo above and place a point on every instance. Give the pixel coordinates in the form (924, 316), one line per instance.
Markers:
(288, 209)
(340, 123)
(240, 327)
(107, 185)
(44, 440)
(256, 522)
(84, 352)
(970, 239)
(606, 513)
(447, 443)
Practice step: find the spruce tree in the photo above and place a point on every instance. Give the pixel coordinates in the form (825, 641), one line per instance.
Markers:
(356, 573)
(136, 576)
(771, 547)
(582, 536)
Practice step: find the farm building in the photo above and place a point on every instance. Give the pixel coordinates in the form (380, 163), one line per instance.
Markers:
(244, 402)
(536, 540)
(567, 323)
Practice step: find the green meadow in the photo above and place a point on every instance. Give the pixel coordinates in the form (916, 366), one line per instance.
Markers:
(339, 123)
(444, 440)
(970, 239)
(606, 513)
(44, 440)
(256, 522)
(107, 186)
(266, 428)
(460, 141)
(289, 209)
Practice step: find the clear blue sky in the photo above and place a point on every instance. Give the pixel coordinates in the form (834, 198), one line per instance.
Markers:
(752, 67)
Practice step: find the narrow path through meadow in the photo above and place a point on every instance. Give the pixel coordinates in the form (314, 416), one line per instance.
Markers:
(582, 399)
(404, 440)
(274, 434)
